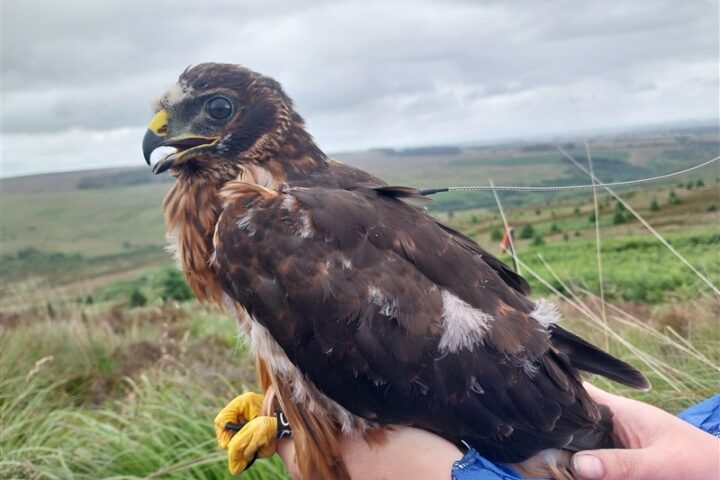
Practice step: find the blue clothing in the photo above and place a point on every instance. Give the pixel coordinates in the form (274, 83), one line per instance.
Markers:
(705, 415)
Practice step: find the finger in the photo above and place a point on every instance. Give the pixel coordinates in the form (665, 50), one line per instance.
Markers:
(606, 398)
(616, 464)
(635, 424)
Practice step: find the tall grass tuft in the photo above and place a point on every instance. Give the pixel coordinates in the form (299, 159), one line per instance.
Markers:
(155, 424)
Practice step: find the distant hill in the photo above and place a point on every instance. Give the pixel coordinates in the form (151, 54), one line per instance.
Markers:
(78, 180)
(100, 223)
(616, 157)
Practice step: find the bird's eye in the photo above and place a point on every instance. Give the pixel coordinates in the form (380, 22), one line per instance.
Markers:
(219, 108)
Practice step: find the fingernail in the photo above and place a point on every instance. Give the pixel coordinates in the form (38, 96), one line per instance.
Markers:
(588, 467)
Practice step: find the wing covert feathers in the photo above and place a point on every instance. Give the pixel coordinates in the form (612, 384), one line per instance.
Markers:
(360, 290)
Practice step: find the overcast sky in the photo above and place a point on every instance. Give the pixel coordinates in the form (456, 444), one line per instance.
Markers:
(78, 76)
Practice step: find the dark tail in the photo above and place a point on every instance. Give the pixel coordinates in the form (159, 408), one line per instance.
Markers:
(587, 357)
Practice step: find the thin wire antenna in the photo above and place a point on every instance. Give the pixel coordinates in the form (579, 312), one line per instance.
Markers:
(645, 224)
(565, 188)
(507, 230)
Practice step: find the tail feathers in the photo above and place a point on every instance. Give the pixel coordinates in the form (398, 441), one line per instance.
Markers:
(587, 357)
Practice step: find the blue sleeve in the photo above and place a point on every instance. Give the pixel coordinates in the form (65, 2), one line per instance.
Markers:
(705, 415)
(475, 467)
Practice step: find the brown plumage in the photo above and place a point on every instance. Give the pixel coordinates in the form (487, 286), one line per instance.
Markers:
(363, 310)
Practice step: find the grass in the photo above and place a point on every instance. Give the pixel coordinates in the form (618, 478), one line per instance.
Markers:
(88, 394)
(636, 268)
(99, 392)
(88, 222)
(107, 370)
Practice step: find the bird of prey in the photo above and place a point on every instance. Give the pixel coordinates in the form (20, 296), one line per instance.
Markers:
(363, 310)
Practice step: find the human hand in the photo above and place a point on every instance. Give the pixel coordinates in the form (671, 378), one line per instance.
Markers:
(407, 453)
(657, 446)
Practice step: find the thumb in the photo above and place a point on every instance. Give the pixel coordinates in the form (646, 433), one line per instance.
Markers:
(616, 464)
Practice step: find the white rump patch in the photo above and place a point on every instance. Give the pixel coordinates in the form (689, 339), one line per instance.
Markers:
(546, 313)
(464, 326)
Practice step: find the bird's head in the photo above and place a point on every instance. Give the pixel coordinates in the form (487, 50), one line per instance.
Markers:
(217, 117)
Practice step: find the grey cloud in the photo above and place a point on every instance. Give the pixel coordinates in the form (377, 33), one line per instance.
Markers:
(421, 71)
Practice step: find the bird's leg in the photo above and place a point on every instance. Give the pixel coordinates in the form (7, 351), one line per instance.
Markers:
(245, 433)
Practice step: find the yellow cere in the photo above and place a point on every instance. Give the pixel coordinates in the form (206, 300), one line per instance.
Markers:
(158, 125)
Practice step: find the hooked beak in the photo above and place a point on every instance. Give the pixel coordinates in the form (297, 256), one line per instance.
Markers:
(157, 136)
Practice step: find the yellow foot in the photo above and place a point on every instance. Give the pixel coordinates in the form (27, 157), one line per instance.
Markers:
(256, 439)
(241, 410)
(249, 435)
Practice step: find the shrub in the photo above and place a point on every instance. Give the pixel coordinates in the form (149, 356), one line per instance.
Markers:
(700, 183)
(621, 214)
(554, 228)
(654, 205)
(566, 237)
(527, 231)
(538, 240)
(619, 217)
(674, 199)
(712, 208)
(174, 287)
(137, 299)
(592, 217)
(496, 234)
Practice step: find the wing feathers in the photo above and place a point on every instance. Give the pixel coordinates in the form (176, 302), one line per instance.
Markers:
(351, 282)
(587, 357)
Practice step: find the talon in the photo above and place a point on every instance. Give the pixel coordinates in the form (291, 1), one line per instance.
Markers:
(256, 439)
(240, 410)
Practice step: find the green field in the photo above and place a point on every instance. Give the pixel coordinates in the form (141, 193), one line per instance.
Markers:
(111, 370)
